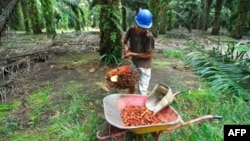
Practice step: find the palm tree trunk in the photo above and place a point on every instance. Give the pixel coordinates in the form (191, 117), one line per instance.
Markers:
(78, 21)
(163, 24)
(242, 11)
(5, 15)
(154, 8)
(216, 25)
(25, 16)
(124, 19)
(110, 32)
(163, 14)
(48, 14)
(206, 15)
(16, 21)
(34, 17)
(169, 20)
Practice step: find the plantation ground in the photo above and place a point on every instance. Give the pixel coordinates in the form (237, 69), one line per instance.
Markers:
(74, 57)
(73, 60)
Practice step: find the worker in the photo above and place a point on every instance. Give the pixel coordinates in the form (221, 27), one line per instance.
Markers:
(139, 44)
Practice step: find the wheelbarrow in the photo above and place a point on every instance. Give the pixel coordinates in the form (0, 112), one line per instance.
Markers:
(113, 105)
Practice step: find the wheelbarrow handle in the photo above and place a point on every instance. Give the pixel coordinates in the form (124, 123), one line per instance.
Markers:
(217, 117)
(164, 85)
(192, 121)
(199, 119)
(176, 93)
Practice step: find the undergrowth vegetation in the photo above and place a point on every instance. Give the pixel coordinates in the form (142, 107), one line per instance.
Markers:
(173, 53)
(226, 69)
(206, 101)
(225, 92)
(74, 117)
(71, 118)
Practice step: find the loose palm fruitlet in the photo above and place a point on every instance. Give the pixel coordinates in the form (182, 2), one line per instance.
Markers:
(122, 77)
(134, 115)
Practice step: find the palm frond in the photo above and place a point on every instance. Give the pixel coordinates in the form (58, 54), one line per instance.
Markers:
(222, 77)
(70, 7)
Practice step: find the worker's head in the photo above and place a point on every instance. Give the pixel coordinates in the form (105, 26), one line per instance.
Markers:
(144, 19)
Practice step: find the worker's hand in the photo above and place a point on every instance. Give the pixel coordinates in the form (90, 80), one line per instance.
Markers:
(127, 54)
(125, 49)
(125, 57)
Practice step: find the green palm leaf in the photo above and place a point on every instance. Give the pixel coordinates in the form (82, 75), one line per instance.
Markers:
(222, 77)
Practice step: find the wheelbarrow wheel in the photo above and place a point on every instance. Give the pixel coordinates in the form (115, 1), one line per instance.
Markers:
(143, 137)
(108, 132)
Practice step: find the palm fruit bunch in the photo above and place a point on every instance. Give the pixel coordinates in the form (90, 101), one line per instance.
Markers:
(122, 77)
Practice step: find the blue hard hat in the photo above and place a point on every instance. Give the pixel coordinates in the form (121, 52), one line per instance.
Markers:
(144, 18)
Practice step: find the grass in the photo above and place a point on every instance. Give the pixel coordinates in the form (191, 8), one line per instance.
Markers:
(73, 120)
(75, 115)
(205, 102)
(7, 107)
(173, 54)
(161, 63)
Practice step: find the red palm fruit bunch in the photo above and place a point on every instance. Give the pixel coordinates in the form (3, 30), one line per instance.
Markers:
(122, 77)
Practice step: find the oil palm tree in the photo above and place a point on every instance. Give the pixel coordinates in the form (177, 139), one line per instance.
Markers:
(242, 11)
(34, 16)
(205, 20)
(74, 11)
(25, 16)
(17, 16)
(216, 24)
(164, 7)
(159, 11)
(110, 32)
(7, 8)
(154, 8)
(48, 14)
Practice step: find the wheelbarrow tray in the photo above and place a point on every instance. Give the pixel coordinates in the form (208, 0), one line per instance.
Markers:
(114, 103)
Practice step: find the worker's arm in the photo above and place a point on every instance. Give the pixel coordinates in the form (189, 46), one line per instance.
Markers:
(146, 55)
(126, 41)
(125, 45)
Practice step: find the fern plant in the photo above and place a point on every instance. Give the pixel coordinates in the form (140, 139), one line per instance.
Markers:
(110, 59)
